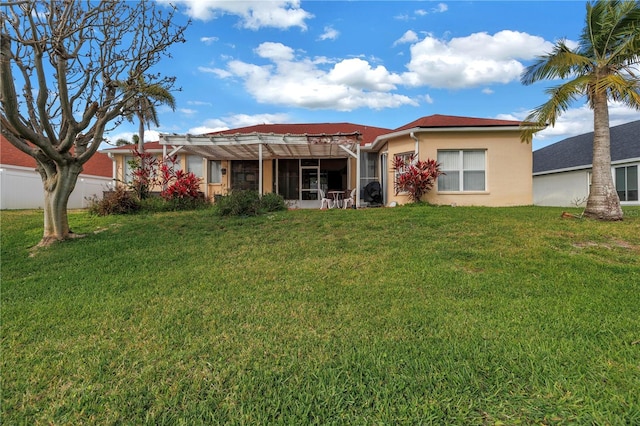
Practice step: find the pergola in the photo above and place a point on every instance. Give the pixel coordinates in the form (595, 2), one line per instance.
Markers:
(266, 146)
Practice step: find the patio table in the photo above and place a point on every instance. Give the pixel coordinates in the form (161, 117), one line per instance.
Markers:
(337, 197)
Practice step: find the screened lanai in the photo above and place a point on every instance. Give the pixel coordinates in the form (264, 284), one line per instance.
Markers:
(295, 166)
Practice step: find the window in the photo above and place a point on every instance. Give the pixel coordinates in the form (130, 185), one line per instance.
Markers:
(215, 171)
(464, 170)
(406, 159)
(194, 165)
(128, 169)
(627, 183)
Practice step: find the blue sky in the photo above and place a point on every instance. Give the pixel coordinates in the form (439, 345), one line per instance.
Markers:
(378, 63)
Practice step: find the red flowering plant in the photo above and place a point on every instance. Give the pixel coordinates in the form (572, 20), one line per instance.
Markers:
(144, 168)
(176, 184)
(415, 177)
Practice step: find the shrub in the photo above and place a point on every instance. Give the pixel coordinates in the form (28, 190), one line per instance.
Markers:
(415, 177)
(144, 173)
(238, 203)
(272, 202)
(118, 201)
(248, 203)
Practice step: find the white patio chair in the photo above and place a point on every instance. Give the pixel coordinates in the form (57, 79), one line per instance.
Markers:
(324, 200)
(351, 201)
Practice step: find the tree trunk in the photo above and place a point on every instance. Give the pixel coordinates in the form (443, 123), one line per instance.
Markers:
(140, 134)
(603, 202)
(57, 189)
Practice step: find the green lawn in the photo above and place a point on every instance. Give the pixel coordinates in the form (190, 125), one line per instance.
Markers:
(432, 315)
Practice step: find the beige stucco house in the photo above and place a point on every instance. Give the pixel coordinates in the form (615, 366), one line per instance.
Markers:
(484, 161)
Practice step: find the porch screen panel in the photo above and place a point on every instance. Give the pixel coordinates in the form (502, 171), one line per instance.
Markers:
(450, 165)
(368, 168)
(473, 170)
(288, 179)
(244, 175)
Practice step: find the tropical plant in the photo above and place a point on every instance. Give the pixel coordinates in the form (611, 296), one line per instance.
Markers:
(603, 67)
(144, 168)
(143, 105)
(415, 177)
(60, 64)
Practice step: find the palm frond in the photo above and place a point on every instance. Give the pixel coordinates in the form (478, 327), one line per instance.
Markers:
(622, 89)
(560, 99)
(562, 62)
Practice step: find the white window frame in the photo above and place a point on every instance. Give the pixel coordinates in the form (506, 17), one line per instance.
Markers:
(406, 156)
(461, 170)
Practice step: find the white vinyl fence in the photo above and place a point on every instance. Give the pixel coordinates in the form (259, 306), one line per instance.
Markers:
(21, 188)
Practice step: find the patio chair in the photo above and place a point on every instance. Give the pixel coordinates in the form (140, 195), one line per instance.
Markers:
(324, 200)
(351, 201)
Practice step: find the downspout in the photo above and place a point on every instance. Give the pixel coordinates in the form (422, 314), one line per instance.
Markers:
(357, 204)
(417, 147)
(114, 171)
(260, 172)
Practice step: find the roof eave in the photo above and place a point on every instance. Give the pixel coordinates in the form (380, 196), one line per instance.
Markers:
(384, 138)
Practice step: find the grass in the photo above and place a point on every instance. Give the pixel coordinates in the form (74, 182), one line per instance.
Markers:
(412, 315)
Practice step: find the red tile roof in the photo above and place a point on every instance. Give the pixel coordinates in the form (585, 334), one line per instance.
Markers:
(440, 121)
(98, 165)
(369, 133)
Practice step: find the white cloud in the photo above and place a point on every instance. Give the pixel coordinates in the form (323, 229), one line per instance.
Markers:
(236, 121)
(275, 51)
(199, 103)
(428, 99)
(188, 111)
(253, 14)
(475, 60)
(440, 8)
(329, 34)
(421, 12)
(487, 91)
(408, 37)
(303, 82)
(217, 71)
(358, 74)
(208, 40)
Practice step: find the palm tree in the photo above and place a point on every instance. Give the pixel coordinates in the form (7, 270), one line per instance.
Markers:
(603, 66)
(142, 104)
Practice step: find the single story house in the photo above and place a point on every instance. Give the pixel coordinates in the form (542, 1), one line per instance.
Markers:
(484, 161)
(21, 184)
(562, 171)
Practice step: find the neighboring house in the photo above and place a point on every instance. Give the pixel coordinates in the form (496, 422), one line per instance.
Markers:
(21, 185)
(484, 161)
(562, 171)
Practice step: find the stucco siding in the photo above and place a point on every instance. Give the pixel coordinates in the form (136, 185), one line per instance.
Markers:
(508, 167)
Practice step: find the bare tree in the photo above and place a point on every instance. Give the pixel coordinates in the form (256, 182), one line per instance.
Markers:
(62, 68)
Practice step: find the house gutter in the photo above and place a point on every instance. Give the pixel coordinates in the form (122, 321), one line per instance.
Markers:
(417, 146)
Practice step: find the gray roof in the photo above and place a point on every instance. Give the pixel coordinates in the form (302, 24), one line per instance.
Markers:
(577, 151)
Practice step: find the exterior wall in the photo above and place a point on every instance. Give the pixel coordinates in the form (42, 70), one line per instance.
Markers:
(570, 188)
(21, 188)
(508, 167)
(566, 189)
